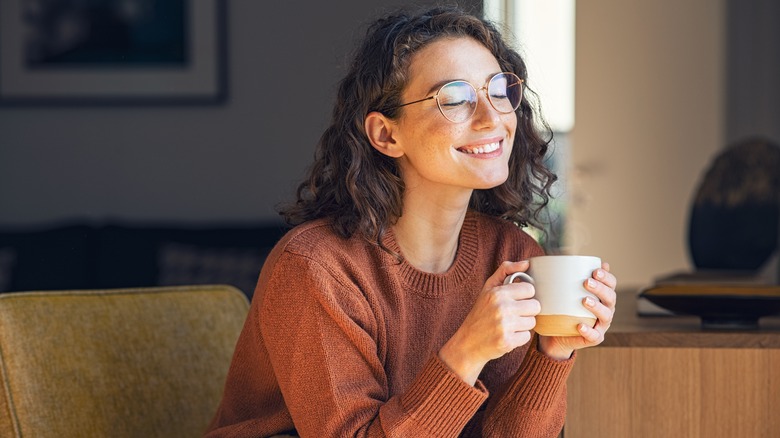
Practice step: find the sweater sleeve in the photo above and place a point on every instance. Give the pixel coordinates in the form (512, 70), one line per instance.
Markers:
(322, 337)
(533, 402)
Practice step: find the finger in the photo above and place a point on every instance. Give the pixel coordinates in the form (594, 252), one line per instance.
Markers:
(524, 324)
(592, 335)
(604, 293)
(519, 291)
(603, 313)
(527, 308)
(605, 275)
(504, 270)
(518, 338)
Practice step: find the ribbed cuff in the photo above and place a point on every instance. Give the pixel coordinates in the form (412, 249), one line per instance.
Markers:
(441, 401)
(540, 379)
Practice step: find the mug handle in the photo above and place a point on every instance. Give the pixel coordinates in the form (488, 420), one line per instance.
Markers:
(525, 277)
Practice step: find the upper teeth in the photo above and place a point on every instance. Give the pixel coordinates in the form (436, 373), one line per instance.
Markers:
(484, 149)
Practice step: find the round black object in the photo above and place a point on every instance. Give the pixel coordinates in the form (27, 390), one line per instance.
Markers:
(735, 218)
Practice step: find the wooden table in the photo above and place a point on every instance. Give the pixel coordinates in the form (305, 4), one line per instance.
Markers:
(666, 377)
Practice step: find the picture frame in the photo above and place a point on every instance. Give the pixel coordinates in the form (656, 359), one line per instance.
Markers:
(115, 53)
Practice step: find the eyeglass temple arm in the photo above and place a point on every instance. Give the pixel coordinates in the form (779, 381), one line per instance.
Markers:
(417, 101)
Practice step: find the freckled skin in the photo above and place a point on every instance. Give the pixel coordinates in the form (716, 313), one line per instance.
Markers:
(431, 159)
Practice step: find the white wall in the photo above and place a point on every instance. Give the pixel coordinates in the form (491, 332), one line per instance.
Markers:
(199, 163)
(650, 102)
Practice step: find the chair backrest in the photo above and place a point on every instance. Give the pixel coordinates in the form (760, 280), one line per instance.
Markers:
(147, 362)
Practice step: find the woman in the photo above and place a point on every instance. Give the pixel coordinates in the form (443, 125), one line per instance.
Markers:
(383, 313)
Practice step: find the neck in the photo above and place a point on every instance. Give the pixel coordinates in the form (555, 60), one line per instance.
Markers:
(428, 231)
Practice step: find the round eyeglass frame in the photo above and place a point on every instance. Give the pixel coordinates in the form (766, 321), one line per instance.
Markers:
(519, 82)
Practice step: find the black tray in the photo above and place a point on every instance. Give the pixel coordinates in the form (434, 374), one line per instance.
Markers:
(719, 307)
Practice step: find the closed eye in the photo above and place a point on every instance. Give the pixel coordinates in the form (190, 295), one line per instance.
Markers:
(455, 103)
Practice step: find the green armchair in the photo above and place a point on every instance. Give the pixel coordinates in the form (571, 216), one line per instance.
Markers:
(146, 362)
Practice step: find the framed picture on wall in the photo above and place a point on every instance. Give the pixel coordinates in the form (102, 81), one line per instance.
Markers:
(112, 51)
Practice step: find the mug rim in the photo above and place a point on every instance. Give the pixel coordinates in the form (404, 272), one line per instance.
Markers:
(561, 256)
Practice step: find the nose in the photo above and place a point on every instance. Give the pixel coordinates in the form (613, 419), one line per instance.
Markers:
(485, 116)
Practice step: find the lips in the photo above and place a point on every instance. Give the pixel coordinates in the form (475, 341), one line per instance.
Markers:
(480, 149)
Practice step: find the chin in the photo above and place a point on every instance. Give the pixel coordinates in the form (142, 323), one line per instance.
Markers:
(490, 185)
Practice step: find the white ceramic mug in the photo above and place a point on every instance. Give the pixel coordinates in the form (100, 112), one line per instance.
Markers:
(559, 284)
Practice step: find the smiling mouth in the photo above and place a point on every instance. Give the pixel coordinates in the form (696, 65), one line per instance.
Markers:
(481, 149)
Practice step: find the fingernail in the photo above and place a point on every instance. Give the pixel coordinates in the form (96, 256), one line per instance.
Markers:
(581, 328)
(599, 273)
(591, 283)
(590, 302)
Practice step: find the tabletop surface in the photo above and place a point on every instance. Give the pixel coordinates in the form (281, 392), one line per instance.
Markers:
(628, 329)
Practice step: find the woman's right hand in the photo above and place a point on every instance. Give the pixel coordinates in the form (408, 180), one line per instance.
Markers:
(499, 322)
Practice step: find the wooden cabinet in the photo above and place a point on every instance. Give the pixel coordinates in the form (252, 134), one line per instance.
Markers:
(665, 377)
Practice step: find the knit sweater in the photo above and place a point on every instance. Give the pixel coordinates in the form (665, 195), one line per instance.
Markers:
(342, 340)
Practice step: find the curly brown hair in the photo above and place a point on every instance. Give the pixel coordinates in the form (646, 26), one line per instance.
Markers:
(360, 189)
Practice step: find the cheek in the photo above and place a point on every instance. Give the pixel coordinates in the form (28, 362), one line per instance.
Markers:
(512, 130)
(436, 139)
(511, 124)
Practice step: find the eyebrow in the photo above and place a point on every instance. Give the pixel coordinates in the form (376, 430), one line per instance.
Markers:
(441, 83)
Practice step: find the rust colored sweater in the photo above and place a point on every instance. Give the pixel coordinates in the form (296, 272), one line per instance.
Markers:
(342, 340)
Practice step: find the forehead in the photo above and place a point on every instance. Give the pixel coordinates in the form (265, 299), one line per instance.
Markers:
(450, 59)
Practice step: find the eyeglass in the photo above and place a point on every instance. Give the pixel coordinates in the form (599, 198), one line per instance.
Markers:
(457, 100)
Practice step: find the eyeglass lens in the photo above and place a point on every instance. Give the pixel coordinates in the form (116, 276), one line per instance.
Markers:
(458, 100)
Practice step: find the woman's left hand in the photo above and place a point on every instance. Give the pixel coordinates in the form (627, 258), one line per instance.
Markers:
(602, 285)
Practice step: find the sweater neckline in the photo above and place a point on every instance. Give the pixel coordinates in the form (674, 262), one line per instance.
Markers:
(434, 285)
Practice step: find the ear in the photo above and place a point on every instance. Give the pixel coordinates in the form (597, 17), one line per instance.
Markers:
(379, 130)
